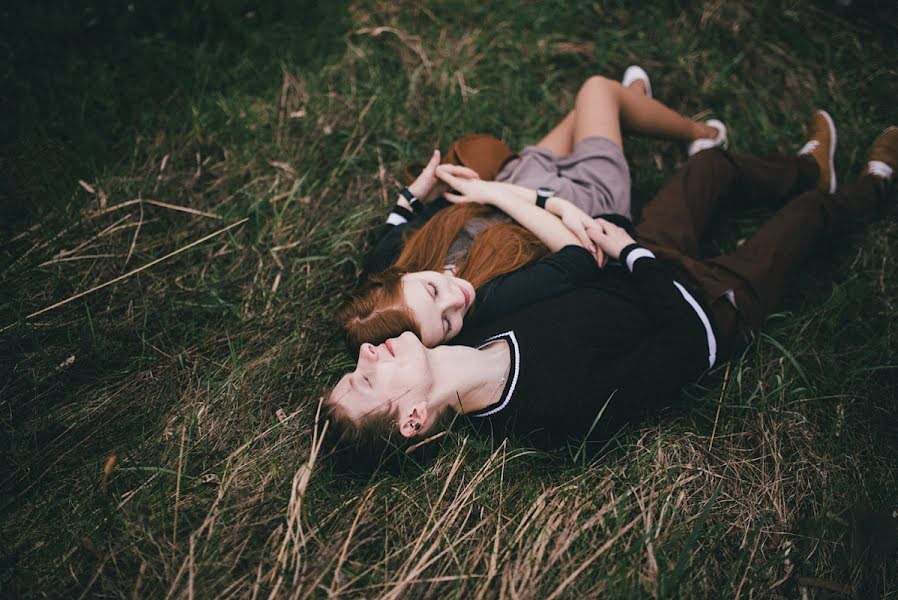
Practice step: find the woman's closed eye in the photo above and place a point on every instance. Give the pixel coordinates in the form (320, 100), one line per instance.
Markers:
(434, 294)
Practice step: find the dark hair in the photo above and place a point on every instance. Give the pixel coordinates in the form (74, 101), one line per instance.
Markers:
(371, 436)
(378, 311)
(374, 440)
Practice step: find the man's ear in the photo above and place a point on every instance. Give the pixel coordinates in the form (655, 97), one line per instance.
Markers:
(415, 421)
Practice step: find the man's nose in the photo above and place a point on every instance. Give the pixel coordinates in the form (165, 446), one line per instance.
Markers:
(368, 351)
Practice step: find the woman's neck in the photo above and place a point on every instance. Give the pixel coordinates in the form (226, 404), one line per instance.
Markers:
(470, 379)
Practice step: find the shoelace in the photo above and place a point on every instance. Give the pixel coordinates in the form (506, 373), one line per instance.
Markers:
(809, 147)
(880, 169)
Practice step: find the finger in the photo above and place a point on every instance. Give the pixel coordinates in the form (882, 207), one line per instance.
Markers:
(596, 235)
(596, 226)
(446, 176)
(433, 162)
(467, 172)
(456, 198)
(606, 226)
(460, 171)
(609, 227)
(579, 231)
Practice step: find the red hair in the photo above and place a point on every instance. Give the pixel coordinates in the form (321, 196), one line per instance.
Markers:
(378, 312)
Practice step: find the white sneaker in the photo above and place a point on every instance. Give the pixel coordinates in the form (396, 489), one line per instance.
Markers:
(704, 143)
(636, 73)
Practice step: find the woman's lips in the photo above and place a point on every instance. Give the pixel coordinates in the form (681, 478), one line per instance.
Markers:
(467, 297)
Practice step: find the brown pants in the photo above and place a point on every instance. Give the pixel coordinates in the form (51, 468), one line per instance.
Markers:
(759, 270)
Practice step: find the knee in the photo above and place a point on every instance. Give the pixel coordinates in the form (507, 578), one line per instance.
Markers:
(598, 84)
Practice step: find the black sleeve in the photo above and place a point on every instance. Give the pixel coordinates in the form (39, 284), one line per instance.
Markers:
(675, 354)
(666, 305)
(552, 276)
(391, 238)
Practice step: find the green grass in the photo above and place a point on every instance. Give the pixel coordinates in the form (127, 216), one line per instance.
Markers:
(201, 375)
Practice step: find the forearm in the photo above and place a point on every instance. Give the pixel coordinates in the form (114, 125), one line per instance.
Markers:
(554, 205)
(541, 223)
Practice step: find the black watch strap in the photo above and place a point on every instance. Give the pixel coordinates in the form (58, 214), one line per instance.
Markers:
(417, 205)
(542, 195)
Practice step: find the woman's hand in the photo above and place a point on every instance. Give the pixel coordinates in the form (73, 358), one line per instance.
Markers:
(579, 223)
(467, 185)
(425, 187)
(610, 238)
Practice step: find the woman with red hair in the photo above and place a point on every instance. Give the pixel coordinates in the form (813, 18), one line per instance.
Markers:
(438, 266)
(594, 358)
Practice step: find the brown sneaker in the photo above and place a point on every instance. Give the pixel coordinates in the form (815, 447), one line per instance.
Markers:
(883, 159)
(822, 146)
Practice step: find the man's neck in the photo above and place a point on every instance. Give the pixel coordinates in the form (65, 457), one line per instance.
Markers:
(469, 379)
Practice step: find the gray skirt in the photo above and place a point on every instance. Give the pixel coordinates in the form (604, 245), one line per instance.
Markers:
(594, 177)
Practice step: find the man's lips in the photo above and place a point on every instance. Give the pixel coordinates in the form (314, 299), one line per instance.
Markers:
(389, 348)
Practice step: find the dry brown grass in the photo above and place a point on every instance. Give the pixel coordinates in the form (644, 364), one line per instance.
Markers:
(159, 423)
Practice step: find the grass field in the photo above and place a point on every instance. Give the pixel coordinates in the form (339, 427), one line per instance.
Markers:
(157, 432)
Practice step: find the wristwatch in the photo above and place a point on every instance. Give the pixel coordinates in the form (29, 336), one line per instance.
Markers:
(543, 194)
(417, 205)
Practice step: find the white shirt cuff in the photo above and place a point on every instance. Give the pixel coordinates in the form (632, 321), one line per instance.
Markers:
(635, 255)
(395, 219)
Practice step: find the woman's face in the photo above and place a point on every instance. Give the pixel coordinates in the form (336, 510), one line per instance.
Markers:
(392, 377)
(439, 302)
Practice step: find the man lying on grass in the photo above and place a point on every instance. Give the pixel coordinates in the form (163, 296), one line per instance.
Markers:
(595, 358)
(511, 242)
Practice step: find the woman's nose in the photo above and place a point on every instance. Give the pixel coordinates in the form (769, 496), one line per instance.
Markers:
(458, 297)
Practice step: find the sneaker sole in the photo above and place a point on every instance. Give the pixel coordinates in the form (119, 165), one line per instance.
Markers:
(832, 151)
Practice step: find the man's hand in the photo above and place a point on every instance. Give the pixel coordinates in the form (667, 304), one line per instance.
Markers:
(610, 238)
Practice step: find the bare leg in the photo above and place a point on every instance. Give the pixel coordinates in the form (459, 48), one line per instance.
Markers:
(604, 107)
(561, 139)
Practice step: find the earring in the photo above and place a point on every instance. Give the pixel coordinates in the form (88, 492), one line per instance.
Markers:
(417, 426)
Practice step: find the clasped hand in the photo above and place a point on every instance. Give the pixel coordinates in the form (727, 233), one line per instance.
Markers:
(429, 186)
(610, 238)
(466, 185)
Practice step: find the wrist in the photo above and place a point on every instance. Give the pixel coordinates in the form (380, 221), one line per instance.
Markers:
(632, 252)
(500, 201)
(411, 200)
(418, 189)
(543, 194)
(556, 205)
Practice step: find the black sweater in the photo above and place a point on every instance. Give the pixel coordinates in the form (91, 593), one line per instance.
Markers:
(555, 274)
(630, 339)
